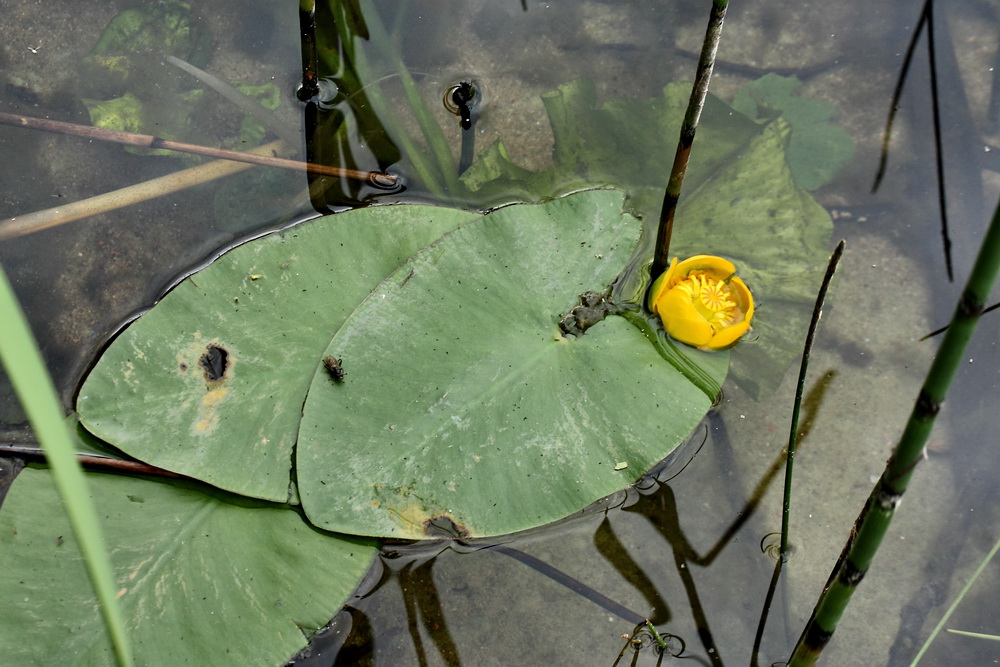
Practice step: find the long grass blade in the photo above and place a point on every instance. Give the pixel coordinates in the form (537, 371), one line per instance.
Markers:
(26, 371)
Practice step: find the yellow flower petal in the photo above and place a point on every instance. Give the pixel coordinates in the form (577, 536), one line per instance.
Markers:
(683, 321)
(719, 267)
(744, 296)
(728, 336)
(661, 285)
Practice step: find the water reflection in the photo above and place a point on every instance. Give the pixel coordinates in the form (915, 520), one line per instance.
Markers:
(628, 582)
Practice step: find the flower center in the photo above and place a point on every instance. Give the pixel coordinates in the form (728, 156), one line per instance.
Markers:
(712, 298)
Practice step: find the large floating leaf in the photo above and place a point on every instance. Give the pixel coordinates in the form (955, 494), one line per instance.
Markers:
(202, 580)
(462, 400)
(463, 404)
(268, 310)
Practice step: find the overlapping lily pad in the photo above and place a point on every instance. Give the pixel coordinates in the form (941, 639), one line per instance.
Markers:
(463, 402)
(204, 579)
(257, 321)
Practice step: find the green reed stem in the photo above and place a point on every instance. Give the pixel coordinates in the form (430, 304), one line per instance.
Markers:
(656, 637)
(23, 363)
(873, 522)
(793, 432)
(706, 63)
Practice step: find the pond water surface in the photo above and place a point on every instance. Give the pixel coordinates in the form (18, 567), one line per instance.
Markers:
(685, 553)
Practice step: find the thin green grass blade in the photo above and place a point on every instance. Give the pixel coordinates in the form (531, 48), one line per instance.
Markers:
(978, 635)
(954, 605)
(26, 370)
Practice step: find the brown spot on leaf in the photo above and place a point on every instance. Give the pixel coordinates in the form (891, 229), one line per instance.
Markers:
(443, 525)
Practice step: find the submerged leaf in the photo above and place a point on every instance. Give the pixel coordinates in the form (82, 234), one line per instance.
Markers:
(751, 212)
(818, 149)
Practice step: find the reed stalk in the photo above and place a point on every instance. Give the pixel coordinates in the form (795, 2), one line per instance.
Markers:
(148, 141)
(872, 524)
(793, 432)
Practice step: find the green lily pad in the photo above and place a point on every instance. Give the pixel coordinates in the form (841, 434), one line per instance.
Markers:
(464, 406)
(271, 307)
(198, 575)
(462, 400)
(739, 196)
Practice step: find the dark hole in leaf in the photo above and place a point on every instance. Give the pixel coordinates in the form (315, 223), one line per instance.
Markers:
(214, 361)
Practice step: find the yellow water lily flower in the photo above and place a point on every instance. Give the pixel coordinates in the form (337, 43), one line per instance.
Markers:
(702, 302)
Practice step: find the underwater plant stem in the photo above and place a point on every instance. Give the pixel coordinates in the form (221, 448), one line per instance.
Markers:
(883, 160)
(926, 20)
(872, 524)
(706, 63)
(447, 170)
(133, 194)
(938, 144)
(100, 462)
(793, 432)
(21, 359)
(468, 149)
(147, 141)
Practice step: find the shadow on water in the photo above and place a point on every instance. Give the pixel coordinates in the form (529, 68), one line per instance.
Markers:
(663, 575)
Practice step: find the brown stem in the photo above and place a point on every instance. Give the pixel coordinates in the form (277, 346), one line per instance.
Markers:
(377, 179)
(133, 194)
(101, 462)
